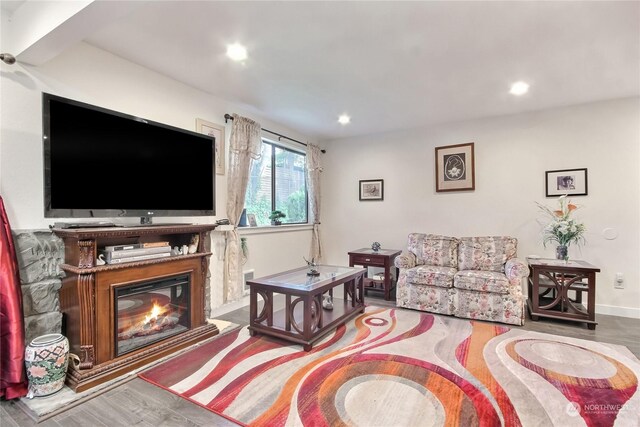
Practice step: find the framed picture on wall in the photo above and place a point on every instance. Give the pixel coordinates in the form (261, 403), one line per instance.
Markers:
(455, 168)
(217, 131)
(371, 189)
(572, 182)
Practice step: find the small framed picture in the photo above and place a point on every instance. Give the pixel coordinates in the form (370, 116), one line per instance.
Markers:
(455, 168)
(572, 182)
(251, 218)
(217, 131)
(371, 189)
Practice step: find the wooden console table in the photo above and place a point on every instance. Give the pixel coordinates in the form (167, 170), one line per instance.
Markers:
(549, 284)
(382, 258)
(309, 322)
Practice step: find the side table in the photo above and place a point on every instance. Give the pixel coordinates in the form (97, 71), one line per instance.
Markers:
(549, 284)
(383, 258)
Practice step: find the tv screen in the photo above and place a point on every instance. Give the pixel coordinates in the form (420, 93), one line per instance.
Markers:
(101, 163)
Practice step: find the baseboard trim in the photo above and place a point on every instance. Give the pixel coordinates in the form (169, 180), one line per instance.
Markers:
(613, 310)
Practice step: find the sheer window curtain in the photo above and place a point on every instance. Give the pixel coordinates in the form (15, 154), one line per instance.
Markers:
(314, 169)
(244, 147)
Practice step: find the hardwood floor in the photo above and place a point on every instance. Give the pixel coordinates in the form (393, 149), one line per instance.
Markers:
(140, 403)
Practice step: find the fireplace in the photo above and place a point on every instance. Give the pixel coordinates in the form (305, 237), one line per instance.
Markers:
(150, 311)
(119, 317)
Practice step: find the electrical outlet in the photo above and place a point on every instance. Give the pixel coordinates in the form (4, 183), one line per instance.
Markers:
(618, 283)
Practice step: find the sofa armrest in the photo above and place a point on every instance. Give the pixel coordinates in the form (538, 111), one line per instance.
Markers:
(405, 260)
(515, 269)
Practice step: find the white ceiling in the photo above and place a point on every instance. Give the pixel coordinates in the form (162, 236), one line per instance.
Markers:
(390, 65)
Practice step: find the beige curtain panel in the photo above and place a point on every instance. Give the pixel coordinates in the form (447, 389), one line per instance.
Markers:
(314, 169)
(245, 146)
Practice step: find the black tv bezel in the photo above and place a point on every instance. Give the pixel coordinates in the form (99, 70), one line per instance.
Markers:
(50, 212)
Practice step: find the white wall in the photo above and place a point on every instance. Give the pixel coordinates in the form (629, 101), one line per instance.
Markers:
(271, 250)
(512, 154)
(91, 75)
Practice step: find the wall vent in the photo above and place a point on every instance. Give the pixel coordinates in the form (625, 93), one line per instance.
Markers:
(246, 275)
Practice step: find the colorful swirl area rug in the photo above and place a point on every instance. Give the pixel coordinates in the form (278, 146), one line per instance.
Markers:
(390, 367)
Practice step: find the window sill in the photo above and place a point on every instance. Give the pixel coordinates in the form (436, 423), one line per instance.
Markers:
(274, 229)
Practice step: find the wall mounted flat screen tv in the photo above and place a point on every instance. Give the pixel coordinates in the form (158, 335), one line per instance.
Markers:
(102, 163)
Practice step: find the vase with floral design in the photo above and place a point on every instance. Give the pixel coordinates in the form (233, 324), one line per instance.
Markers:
(46, 360)
(562, 252)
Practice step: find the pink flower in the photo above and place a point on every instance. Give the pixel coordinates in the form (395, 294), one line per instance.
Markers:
(60, 361)
(37, 371)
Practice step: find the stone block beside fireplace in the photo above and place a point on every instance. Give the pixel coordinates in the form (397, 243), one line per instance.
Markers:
(39, 254)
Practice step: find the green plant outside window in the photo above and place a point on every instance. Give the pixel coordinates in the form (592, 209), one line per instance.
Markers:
(277, 181)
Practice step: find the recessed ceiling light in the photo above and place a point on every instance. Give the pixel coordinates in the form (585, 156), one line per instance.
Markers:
(344, 119)
(519, 88)
(237, 52)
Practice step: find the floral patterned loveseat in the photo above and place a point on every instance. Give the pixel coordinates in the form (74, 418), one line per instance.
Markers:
(471, 277)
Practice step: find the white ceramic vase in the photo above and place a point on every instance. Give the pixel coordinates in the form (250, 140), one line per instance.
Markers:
(46, 360)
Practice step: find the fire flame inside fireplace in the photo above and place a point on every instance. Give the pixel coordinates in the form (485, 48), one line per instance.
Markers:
(158, 318)
(155, 312)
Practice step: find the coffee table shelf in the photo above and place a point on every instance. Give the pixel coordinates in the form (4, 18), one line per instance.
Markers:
(303, 320)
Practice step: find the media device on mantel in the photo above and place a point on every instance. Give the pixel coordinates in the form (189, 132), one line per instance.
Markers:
(100, 163)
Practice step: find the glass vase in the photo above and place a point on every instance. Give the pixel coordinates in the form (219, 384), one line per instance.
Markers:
(562, 252)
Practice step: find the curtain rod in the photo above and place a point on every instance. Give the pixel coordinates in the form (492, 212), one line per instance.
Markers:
(228, 117)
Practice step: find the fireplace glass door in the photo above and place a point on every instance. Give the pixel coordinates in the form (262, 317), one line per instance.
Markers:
(147, 312)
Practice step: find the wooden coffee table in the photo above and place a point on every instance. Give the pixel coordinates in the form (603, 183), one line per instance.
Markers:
(303, 320)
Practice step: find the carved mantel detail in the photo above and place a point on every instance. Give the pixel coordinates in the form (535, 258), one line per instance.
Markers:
(86, 253)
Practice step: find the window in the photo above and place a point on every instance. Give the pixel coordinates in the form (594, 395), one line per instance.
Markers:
(277, 182)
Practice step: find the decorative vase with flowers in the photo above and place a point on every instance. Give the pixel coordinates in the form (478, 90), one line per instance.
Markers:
(563, 229)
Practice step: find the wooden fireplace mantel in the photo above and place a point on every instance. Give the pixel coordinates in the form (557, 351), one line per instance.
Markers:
(87, 296)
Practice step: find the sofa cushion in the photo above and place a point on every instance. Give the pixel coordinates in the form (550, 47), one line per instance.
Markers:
(486, 253)
(427, 298)
(431, 275)
(416, 242)
(440, 251)
(483, 281)
(415, 245)
(505, 308)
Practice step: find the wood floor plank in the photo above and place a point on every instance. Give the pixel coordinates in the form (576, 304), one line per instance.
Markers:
(78, 417)
(189, 410)
(107, 409)
(17, 414)
(6, 420)
(152, 411)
